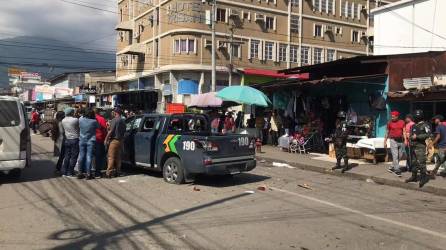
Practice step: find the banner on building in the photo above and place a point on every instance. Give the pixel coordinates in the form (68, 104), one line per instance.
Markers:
(27, 76)
(60, 92)
(15, 72)
(44, 92)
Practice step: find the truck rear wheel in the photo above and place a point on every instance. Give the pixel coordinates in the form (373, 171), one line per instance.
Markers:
(173, 171)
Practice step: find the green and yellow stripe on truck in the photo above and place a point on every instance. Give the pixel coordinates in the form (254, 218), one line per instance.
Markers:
(169, 143)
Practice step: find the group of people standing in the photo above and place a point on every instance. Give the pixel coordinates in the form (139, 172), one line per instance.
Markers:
(412, 138)
(84, 138)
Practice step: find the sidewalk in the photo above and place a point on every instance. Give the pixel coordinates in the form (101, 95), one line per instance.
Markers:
(361, 170)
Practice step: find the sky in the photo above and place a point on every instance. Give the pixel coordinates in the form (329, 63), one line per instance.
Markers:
(56, 19)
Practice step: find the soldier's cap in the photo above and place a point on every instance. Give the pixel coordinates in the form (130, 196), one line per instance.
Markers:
(395, 113)
(439, 117)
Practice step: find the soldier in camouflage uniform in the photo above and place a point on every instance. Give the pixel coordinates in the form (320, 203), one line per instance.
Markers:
(421, 130)
(340, 141)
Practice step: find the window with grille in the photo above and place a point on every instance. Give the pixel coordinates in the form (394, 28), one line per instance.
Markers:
(235, 50)
(316, 5)
(294, 53)
(295, 24)
(269, 50)
(295, 3)
(269, 23)
(254, 48)
(323, 5)
(330, 5)
(221, 15)
(317, 55)
(282, 52)
(350, 10)
(305, 55)
(330, 55)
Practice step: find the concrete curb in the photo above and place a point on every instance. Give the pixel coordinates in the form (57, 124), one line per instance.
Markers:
(356, 176)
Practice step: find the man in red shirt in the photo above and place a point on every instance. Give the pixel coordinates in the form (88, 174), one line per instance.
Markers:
(395, 132)
(35, 117)
(101, 133)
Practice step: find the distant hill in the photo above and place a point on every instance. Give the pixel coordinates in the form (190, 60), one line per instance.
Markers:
(59, 57)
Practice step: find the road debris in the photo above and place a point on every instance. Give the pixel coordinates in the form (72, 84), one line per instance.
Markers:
(249, 192)
(369, 180)
(196, 189)
(305, 185)
(263, 188)
(262, 161)
(123, 181)
(282, 165)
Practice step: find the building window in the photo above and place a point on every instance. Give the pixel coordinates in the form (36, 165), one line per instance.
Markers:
(294, 53)
(246, 15)
(316, 5)
(184, 46)
(324, 6)
(269, 50)
(344, 8)
(356, 13)
(282, 52)
(295, 24)
(317, 30)
(355, 36)
(350, 10)
(254, 48)
(221, 15)
(191, 46)
(269, 23)
(295, 3)
(177, 47)
(305, 55)
(330, 7)
(330, 55)
(317, 55)
(338, 30)
(235, 50)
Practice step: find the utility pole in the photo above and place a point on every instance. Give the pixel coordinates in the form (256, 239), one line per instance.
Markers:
(214, 66)
(231, 42)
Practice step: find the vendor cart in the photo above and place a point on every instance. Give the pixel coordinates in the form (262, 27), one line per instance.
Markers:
(373, 149)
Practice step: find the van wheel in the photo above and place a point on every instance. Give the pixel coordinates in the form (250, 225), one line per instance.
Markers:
(173, 171)
(15, 173)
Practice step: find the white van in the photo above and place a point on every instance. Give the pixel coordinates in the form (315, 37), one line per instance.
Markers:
(15, 140)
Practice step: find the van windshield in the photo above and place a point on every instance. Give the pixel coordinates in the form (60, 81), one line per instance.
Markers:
(9, 114)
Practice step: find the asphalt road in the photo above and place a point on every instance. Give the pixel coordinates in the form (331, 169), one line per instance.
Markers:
(141, 211)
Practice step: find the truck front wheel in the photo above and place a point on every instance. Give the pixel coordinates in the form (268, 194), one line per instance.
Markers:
(173, 171)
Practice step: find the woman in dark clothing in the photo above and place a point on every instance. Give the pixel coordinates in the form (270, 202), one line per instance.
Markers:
(57, 135)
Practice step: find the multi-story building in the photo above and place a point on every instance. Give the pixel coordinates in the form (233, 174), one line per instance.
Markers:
(410, 26)
(160, 43)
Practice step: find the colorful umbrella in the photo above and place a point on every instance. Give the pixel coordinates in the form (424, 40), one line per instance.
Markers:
(244, 95)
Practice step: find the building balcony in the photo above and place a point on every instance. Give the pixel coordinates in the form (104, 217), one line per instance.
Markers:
(125, 26)
(134, 49)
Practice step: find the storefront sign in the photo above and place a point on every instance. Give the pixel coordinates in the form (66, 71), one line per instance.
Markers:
(86, 90)
(167, 89)
(30, 76)
(44, 92)
(15, 72)
(187, 87)
(78, 98)
(62, 92)
(91, 99)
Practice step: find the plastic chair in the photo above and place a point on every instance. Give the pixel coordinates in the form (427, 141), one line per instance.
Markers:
(305, 146)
